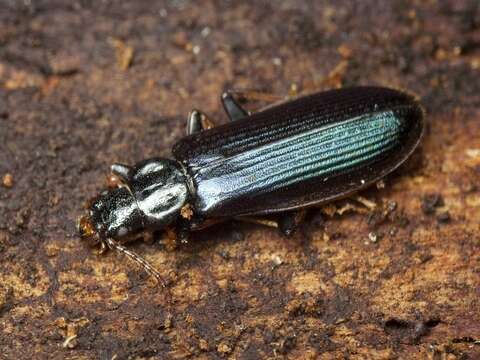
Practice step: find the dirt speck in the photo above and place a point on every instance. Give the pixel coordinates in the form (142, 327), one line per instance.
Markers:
(7, 180)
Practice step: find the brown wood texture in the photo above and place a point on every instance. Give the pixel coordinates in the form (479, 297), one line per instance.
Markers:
(87, 83)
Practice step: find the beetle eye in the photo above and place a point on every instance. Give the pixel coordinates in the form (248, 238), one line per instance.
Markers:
(85, 227)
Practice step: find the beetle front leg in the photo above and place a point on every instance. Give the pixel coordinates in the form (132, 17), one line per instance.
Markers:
(198, 121)
(177, 234)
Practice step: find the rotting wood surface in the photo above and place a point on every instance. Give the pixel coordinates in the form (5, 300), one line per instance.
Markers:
(87, 83)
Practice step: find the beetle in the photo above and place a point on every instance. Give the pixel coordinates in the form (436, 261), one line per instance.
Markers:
(280, 160)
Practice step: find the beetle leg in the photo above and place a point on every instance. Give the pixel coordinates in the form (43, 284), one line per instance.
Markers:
(182, 232)
(231, 101)
(233, 109)
(198, 121)
(286, 222)
(148, 237)
(254, 95)
(256, 220)
(103, 248)
(176, 234)
(170, 240)
(289, 222)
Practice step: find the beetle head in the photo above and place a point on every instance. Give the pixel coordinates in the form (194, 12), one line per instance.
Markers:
(113, 214)
(150, 196)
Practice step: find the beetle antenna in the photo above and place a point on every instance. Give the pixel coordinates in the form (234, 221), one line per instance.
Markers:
(113, 245)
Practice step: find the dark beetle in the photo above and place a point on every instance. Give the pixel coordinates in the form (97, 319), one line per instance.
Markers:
(304, 152)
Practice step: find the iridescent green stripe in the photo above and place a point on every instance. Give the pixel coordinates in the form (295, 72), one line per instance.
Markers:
(319, 152)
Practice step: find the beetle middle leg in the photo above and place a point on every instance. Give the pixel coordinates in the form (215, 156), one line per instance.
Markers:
(231, 104)
(232, 107)
(231, 100)
(198, 121)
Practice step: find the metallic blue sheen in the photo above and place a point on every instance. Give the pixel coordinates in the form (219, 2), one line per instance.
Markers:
(318, 153)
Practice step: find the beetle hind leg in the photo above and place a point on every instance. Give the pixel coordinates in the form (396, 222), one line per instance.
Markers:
(258, 220)
(289, 222)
